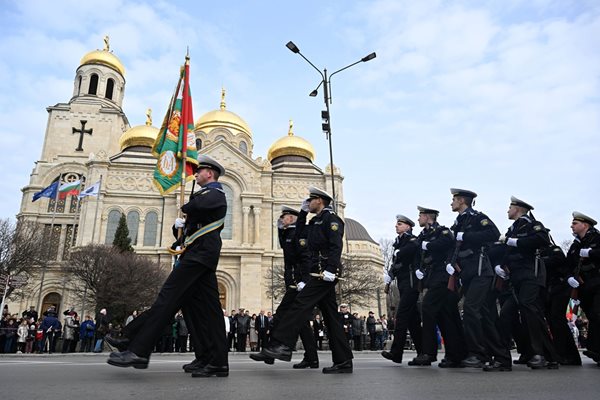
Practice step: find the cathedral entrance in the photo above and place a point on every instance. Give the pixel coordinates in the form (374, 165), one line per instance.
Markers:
(223, 296)
(51, 299)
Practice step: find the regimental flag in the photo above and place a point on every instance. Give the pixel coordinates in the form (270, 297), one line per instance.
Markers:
(90, 191)
(50, 192)
(175, 145)
(69, 188)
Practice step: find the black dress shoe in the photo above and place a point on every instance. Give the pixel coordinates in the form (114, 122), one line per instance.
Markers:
(127, 359)
(592, 354)
(497, 366)
(421, 359)
(278, 351)
(573, 361)
(195, 366)
(192, 364)
(522, 359)
(261, 357)
(388, 355)
(211, 370)
(120, 343)
(537, 362)
(306, 364)
(472, 362)
(552, 365)
(445, 363)
(341, 368)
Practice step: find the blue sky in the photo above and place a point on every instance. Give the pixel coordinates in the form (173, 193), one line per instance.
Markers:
(499, 97)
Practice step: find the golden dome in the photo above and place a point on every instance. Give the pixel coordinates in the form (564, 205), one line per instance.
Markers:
(141, 135)
(222, 119)
(291, 145)
(104, 57)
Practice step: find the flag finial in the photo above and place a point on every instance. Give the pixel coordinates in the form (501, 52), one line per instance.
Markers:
(187, 56)
(223, 99)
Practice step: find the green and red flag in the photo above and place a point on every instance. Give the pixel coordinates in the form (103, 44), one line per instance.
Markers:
(175, 146)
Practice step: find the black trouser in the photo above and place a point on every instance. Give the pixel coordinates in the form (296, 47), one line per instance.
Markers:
(557, 302)
(440, 307)
(492, 335)
(511, 326)
(306, 332)
(242, 338)
(322, 294)
(527, 299)
(195, 286)
(476, 291)
(357, 342)
(407, 319)
(590, 302)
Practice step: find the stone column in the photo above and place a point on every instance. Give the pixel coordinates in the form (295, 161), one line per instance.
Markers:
(245, 211)
(256, 225)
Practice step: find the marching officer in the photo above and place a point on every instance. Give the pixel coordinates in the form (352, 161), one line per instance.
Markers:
(440, 305)
(408, 318)
(475, 232)
(521, 261)
(296, 274)
(584, 262)
(193, 281)
(324, 240)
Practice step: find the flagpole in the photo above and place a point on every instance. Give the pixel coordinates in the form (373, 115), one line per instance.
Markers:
(50, 244)
(96, 213)
(184, 122)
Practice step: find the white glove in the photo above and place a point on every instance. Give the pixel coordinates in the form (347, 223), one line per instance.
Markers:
(420, 275)
(305, 204)
(584, 252)
(386, 278)
(300, 286)
(576, 302)
(500, 272)
(450, 269)
(328, 276)
(424, 245)
(512, 242)
(459, 236)
(396, 252)
(179, 223)
(279, 224)
(574, 283)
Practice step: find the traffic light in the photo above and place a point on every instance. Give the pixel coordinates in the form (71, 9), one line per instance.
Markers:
(325, 124)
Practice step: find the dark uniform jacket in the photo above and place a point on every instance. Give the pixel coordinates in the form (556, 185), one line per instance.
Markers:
(405, 247)
(295, 256)
(479, 233)
(590, 266)
(324, 235)
(206, 206)
(532, 238)
(557, 269)
(441, 242)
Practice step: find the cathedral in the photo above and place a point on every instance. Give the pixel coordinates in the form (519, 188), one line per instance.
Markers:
(89, 139)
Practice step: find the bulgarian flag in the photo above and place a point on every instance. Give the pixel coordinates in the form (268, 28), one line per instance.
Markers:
(175, 146)
(68, 189)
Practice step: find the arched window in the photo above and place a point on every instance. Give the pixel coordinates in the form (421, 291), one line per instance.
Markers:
(220, 137)
(79, 85)
(243, 147)
(150, 227)
(198, 144)
(133, 223)
(111, 227)
(93, 84)
(110, 87)
(227, 232)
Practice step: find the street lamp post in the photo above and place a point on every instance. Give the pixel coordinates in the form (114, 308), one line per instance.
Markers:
(325, 115)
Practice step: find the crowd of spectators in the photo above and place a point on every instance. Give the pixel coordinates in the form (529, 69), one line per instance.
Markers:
(49, 333)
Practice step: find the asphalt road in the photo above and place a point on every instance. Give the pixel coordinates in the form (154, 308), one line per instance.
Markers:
(87, 376)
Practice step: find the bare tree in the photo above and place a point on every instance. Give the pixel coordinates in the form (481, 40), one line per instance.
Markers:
(115, 280)
(22, 249)
(393, 295)
(387, 250)
(361, 281)
(275, 288)
(565, 245)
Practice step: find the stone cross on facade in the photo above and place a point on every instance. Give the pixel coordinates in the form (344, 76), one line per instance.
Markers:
(81, 132)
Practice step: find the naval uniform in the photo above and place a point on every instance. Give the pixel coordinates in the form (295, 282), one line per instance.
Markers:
(324, 235)
(440, 305)
(408, 318)
(528, 277)
(476, 276)
(296, 270)
(192, 284)
(589, 291)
